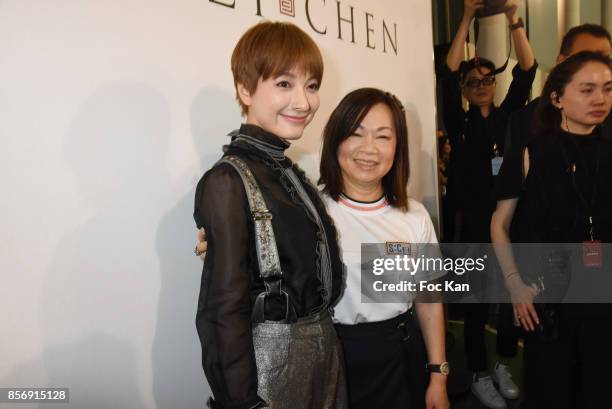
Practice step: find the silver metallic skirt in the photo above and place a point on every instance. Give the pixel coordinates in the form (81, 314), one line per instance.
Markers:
(300, 365)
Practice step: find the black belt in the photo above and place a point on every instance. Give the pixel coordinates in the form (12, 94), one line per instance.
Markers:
(398, 327)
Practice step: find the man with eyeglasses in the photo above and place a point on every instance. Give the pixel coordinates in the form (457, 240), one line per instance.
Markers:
(477, 148)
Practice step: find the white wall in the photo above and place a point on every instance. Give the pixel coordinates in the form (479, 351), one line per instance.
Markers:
(110, 111)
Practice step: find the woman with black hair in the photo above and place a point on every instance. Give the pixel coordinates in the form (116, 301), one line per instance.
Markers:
(566, 198)
(364, 172)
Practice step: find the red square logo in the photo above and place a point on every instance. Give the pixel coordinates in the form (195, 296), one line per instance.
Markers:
(287, 7)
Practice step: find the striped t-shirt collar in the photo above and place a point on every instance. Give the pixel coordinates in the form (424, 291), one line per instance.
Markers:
(363, 206)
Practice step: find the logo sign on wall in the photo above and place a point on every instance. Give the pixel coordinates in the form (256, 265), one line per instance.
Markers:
(345, 20)
(287, 7)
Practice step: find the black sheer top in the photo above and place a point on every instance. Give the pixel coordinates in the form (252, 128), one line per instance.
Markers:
(230, 278)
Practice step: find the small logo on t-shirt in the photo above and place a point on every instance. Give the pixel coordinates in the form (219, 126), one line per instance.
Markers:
(397, 247)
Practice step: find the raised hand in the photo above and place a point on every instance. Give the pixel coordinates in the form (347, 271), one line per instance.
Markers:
(511, 7)
(470, 7)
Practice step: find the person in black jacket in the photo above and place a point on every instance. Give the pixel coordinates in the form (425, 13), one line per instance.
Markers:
(477, 145)
(586, 37)
(566, 197)
(263, 321)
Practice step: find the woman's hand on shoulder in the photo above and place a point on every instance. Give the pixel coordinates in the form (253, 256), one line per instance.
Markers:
(202, 244)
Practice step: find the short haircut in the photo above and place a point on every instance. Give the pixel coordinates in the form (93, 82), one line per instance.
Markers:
(270, 49)
(471, 64)
(343, 122)
(570, 37)
(548, 116)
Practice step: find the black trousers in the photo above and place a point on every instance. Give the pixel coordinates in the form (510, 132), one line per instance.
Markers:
(385, 364)
(573, 372)
(475, 228)
(474, 334)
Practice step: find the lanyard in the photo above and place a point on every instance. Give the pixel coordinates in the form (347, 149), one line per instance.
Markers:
(571, 168)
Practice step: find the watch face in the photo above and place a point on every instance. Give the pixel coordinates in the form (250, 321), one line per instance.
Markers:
(444, 368)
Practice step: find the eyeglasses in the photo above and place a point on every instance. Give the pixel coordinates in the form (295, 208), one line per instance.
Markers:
(476, 82)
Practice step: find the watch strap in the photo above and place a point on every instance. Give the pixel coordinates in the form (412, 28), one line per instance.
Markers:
(516, 25)
(442, 368)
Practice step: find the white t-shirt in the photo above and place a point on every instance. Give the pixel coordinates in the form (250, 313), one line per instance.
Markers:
(376, 222)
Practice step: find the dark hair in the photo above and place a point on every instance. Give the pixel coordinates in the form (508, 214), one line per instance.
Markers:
(343, 122)
(271, 49)
(548, 116)
(570, 37)
(469, 65)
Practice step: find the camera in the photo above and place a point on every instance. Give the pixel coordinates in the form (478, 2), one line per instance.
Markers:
(491, 7)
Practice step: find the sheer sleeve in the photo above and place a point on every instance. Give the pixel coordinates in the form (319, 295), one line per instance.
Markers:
(223, 318)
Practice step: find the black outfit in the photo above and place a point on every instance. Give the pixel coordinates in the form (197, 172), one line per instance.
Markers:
(509, 183)
(385, 363)
(230, 278)
(475, 141)
(571, 371)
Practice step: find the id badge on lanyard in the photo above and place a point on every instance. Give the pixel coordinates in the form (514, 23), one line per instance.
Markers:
(591, 249)
(496, 162)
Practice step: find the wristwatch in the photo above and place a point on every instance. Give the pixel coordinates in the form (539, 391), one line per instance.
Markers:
(516, 25)
(443, 368)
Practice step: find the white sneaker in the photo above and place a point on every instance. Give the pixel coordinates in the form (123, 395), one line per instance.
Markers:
(503, 378)
(486, 393)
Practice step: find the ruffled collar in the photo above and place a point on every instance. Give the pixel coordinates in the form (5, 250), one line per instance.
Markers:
(261, 140)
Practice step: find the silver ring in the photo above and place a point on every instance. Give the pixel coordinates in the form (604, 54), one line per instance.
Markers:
(196, 251)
